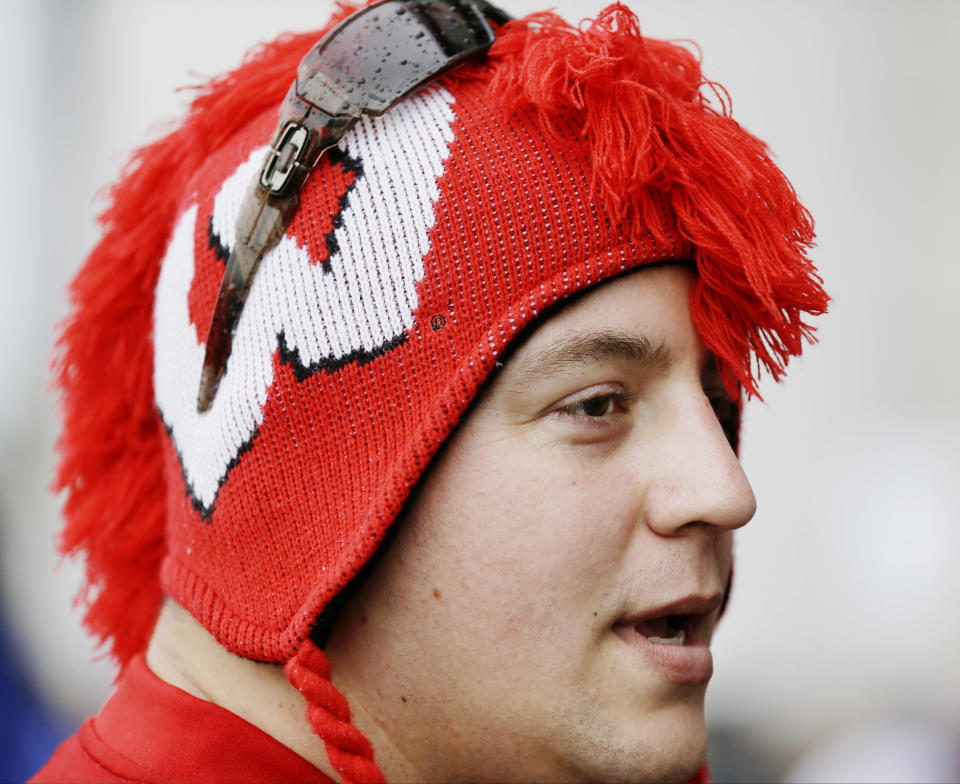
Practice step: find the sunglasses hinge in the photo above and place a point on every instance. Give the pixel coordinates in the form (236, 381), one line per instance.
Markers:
(286, 152)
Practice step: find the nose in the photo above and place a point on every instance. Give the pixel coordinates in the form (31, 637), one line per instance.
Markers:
(698, 478)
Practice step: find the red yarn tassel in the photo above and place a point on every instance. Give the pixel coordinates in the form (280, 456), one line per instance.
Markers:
(329, 715)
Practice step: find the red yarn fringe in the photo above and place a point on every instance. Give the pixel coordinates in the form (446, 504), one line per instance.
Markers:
(329, 715)
(650, 126)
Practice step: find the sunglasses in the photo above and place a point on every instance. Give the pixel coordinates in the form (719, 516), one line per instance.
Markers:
(365, 65)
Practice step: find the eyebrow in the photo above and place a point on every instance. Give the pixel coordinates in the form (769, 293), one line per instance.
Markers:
(580, 348)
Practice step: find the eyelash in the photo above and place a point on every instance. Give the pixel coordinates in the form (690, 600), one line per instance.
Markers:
(621, 399)
(725, 409)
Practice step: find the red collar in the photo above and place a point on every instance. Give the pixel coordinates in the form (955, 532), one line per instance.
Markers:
(150, 731)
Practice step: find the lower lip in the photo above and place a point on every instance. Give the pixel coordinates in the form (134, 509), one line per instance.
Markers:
(690, 663)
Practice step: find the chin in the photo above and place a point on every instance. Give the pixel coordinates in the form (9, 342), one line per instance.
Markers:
(678, 763)
(666, 746)
(672, 755)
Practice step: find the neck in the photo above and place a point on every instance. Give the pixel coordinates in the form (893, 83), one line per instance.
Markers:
(184, 654)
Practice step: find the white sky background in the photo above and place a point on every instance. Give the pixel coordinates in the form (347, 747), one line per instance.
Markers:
(846, 594)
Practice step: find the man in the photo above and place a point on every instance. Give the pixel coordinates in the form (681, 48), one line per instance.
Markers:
(437, 465)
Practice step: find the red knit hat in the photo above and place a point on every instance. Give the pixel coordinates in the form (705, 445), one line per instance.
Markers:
(430, 239)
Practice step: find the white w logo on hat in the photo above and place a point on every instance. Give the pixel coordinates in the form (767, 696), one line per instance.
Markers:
(358, 305)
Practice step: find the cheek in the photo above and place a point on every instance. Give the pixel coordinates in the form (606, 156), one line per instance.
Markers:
(536, 542)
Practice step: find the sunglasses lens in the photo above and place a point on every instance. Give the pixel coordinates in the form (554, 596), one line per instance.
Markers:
(380, 54)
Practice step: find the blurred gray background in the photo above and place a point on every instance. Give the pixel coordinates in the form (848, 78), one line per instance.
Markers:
(838, 658)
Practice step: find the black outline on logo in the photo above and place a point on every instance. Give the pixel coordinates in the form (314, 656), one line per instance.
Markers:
(206, 512)
(291, 357)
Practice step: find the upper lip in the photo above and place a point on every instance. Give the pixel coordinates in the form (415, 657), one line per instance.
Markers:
(692, 604)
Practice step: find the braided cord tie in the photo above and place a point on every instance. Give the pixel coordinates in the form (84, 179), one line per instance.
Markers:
(329, 715)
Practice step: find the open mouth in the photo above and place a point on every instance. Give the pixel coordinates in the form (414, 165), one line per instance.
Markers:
(666, 630)
(671, 639)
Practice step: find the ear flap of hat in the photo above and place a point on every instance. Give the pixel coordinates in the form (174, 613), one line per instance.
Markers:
(110, 450)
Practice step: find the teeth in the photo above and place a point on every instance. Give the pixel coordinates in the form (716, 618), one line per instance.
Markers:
(678, 639)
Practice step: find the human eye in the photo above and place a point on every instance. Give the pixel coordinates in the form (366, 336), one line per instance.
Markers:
(595, 408)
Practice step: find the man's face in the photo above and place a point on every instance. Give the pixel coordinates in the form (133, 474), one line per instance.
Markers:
(585, 506)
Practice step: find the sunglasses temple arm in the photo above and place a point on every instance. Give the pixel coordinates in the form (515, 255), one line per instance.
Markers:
(268, 207)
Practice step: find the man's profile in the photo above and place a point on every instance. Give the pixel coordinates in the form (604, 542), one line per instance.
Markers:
(413, 456)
